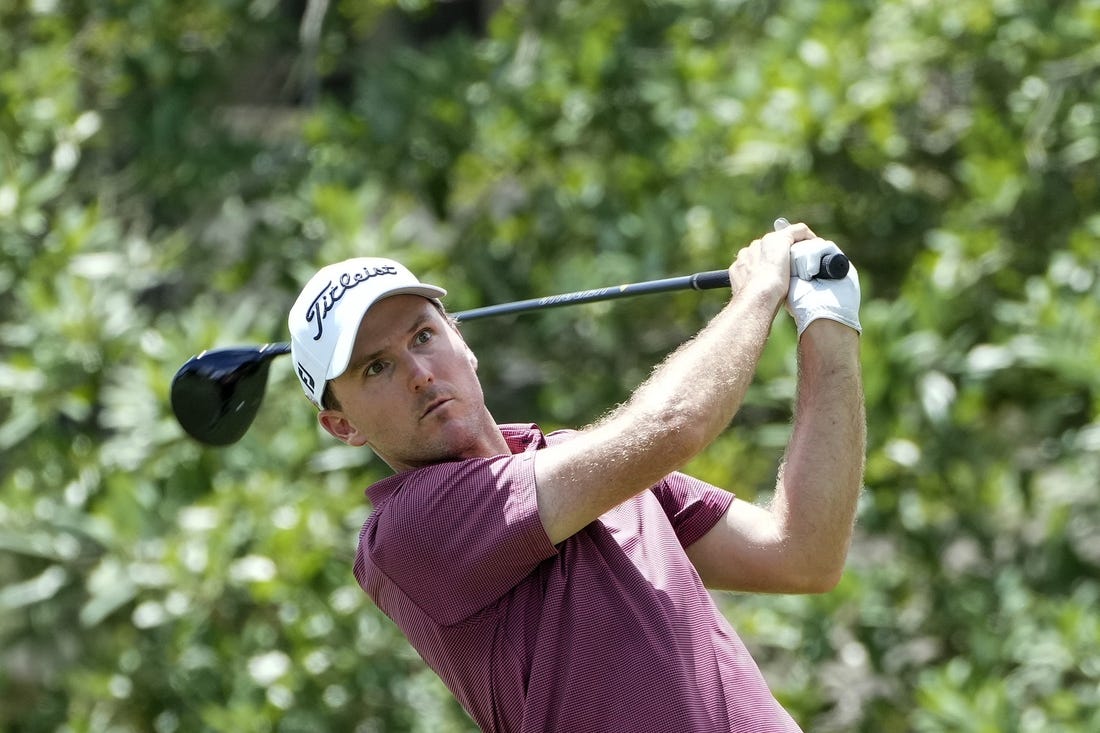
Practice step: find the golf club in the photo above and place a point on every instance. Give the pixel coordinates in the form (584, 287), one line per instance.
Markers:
(215, 395)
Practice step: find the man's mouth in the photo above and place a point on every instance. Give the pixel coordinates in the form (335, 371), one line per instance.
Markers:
(434, 405)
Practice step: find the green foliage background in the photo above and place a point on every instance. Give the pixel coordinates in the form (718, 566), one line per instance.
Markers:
(171, 172)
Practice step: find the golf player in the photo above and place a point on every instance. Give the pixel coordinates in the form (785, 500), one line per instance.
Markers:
(558, 582)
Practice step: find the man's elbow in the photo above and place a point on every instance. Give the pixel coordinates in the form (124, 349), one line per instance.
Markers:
(824, 582)
(815, 578)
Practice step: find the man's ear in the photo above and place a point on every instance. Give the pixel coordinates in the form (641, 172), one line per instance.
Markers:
(472, 358)
(338, 426)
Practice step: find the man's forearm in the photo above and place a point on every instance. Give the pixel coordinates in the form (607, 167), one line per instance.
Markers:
(821, 477)
(692, 396)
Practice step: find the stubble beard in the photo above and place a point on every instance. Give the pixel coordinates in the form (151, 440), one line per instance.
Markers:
(453, 440)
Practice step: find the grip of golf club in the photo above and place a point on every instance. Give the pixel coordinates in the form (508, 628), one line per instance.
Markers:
(711, 279)
(832, 267)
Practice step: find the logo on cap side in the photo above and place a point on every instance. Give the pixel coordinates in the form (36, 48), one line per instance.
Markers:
(306, 377)
(326, 300)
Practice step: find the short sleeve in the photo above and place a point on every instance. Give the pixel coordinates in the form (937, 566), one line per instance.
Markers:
(692, 506)
(457, 536)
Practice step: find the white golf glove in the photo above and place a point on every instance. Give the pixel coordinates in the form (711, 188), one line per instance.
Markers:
(809, 299)
(806, 256)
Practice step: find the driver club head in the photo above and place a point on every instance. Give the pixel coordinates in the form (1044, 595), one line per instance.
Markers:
(216, 394)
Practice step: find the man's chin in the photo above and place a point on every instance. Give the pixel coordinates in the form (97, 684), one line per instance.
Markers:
(442, 452)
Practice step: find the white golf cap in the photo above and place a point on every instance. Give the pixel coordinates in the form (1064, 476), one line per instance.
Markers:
(325, 319)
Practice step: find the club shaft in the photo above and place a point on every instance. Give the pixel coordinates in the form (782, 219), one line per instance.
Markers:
(698, 281)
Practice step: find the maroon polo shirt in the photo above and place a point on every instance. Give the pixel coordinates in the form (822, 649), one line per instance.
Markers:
(610, 630)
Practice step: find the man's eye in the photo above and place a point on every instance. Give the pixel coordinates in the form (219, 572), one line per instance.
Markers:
(374, 368)
(424, 336)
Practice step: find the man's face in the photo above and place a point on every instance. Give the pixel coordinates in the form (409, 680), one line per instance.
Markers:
(411, 391)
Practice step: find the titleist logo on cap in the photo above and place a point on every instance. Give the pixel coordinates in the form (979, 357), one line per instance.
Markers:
(332, 292)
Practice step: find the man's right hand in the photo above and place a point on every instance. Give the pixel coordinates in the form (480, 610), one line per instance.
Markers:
(765, 265)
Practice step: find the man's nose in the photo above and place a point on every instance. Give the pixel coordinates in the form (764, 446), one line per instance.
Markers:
(420, 373)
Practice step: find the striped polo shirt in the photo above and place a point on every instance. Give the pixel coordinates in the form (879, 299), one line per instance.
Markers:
(610, 630)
